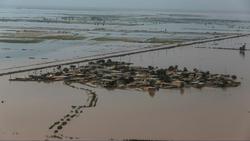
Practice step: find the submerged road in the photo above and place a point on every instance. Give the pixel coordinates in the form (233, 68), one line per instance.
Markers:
(46, 65)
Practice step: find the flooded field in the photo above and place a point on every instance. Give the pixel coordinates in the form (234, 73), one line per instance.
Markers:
(31, 36)
(29, 109)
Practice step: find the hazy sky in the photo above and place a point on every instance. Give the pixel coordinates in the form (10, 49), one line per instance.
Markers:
(221, 5)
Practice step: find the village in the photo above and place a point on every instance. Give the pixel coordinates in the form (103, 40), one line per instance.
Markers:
(121, 75)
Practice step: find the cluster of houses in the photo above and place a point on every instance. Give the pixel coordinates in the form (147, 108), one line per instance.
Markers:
(121, 75)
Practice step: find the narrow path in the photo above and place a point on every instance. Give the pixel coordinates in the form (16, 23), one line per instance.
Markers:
(56, 129)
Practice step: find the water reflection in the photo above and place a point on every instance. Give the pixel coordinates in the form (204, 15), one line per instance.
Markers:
(151, 93)
(57, 127)
(182, 91)
(242, 53)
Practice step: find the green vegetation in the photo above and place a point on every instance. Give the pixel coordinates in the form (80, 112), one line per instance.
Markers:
(37, 39)
(18, 40)
(121, 39)
(61, 37)
(161, 40)
(132, 40)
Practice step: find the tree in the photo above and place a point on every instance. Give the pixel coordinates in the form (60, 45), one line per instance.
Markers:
(66, 70)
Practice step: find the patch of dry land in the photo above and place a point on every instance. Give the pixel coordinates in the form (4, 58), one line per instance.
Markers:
(135, 40)
(36, 36)
(111, 74)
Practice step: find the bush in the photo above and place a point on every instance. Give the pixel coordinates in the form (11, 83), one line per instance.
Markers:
(66, 70)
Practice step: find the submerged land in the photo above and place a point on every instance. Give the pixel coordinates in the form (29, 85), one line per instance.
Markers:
(74, 74)
(34, 37)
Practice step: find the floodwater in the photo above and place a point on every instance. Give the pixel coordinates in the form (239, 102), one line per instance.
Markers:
(30, 108)
(138, 25)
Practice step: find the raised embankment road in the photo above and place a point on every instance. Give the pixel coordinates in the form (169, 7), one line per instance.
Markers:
(108, 55)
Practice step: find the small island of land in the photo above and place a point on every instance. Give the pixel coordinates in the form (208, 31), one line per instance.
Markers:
(121, 75)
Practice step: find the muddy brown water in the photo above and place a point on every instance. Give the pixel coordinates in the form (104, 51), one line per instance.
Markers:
(203, 114)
